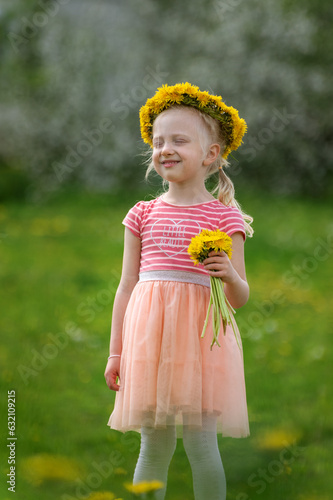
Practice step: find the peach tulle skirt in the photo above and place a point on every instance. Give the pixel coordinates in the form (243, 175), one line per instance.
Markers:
(168, 374)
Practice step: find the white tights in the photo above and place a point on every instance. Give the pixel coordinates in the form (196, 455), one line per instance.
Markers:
(157, 449)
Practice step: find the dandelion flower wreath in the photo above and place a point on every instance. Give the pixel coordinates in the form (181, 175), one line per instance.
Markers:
(233, 127)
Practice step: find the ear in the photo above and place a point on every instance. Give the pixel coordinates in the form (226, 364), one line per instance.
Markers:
(212, 154)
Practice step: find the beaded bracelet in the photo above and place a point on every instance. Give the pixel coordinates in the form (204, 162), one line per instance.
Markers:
(114, 356)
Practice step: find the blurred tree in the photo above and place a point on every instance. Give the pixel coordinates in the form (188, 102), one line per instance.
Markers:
(77, 73)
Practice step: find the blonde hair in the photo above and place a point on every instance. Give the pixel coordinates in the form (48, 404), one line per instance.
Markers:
(225, 189)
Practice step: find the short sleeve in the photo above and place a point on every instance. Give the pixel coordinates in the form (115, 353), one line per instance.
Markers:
(133, 219)
(232, 222)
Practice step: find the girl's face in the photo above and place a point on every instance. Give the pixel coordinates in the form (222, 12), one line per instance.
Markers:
(178, 153)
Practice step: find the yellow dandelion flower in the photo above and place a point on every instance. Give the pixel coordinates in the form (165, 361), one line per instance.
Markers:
(223, 246)
(226, 152)
(102, 495)
(175, 98)
(144, 118)
(119, 471)
(207, 241)
(233, 112)
(187, 88)
(204, 99)
(45, 467)
(144, 487)
(277, 439)
(217, 100)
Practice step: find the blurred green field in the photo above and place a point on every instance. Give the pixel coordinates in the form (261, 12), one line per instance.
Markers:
(60, 263)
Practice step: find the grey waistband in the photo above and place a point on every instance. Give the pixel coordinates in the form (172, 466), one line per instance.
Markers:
(183, 276)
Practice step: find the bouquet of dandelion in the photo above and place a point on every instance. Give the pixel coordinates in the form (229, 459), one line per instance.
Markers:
(201, 245)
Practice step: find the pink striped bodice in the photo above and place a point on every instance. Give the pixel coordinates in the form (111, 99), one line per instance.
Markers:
(166, 230)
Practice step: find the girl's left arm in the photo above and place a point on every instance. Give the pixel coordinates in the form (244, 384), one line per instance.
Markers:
(231, 271)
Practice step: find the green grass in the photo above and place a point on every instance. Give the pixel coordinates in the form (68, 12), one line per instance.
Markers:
(60, 263)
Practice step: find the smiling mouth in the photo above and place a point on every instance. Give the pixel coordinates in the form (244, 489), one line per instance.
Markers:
(169, 163)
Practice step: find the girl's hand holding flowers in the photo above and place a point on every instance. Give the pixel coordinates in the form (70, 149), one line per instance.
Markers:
(218, 265)
(213, 250)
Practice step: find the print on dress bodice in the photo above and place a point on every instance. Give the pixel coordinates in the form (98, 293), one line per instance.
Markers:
(173, 236)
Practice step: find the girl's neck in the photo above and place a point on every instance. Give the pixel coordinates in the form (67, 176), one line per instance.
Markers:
(180, 196)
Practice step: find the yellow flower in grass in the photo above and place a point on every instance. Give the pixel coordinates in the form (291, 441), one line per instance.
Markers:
(102, 495)
(119, 471)
(144, 487)
(46, 467)
(277, 439)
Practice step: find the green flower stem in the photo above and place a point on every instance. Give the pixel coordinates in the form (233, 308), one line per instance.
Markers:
(221, 309)
(207, 317)
(228, 311)
(216, 313)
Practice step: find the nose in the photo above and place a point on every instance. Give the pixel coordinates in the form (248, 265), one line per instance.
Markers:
(167, 149)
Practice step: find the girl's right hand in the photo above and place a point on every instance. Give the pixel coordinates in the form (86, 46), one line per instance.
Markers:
(112, 372)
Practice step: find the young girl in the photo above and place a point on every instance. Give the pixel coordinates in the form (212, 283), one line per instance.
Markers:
(168, 376)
